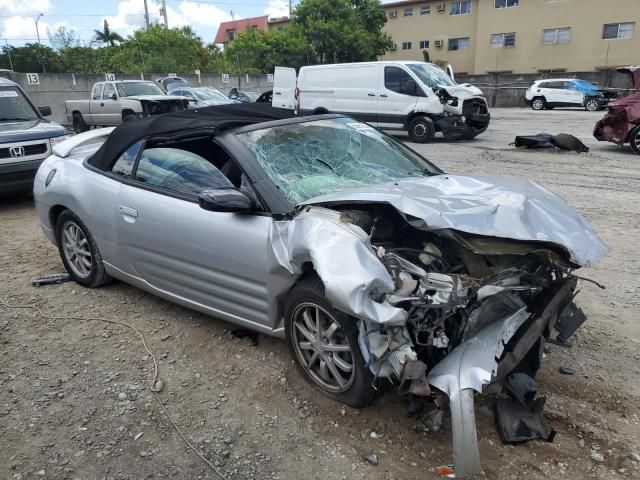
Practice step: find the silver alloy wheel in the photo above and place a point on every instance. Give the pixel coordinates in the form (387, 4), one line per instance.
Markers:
(537, 104)
(76, 249)
(592, 105)
(322, 348)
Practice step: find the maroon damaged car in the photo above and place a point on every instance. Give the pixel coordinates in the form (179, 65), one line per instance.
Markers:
(621, 124)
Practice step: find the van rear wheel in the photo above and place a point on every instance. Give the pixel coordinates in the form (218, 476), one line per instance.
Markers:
(421, 130)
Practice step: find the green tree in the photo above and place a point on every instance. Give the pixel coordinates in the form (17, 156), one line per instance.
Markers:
(63, 38)
(107, 36)
(32, 57)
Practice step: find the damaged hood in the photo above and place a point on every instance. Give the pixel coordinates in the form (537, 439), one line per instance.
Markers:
(503, 207)
(463, 91)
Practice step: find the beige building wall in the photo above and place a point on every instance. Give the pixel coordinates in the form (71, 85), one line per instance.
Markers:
(586, 50)
(432, 27)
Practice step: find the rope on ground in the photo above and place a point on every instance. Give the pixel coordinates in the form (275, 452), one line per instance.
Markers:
(157, 384)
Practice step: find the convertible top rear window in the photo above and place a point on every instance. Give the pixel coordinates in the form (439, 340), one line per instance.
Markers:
(308, 159)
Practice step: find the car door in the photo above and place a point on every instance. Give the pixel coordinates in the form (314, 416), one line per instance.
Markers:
(284, 88)
(394, 99)
(94, 103)
(111, 113)
(211, 260)
(574, 96)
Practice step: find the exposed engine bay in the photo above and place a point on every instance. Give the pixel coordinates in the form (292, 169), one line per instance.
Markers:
(156, 107)
(477, 309)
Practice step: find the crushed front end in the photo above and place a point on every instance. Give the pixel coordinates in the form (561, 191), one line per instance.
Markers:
(157, 107)
(622, 117)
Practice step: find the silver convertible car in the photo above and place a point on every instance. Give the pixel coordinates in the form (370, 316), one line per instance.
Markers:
(372, 263)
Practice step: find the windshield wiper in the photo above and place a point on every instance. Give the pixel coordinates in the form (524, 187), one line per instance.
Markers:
(326, 165)
(16, 118)
(421, 172)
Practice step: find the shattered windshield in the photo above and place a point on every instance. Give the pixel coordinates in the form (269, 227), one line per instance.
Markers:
(431, 75)
(308, 159)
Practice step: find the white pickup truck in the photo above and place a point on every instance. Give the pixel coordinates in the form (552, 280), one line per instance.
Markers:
(112, 103)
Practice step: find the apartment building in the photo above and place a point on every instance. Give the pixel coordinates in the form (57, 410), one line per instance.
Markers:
(228, 31)
(516, 36)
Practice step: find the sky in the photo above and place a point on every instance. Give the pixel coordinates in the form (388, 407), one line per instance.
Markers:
(17, 17)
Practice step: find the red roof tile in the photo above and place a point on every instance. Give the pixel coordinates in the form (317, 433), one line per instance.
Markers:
(239, 26)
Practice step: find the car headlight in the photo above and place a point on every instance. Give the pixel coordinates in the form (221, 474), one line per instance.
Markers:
(56, 140)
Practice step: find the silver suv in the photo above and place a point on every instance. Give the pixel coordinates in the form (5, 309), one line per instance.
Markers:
(567, 92)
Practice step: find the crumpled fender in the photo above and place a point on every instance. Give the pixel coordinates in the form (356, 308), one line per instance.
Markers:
(343, 259)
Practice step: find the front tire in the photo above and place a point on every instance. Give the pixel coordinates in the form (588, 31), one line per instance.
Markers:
(421, 130)
(592, 105)
(634, 140)
(79, 251)
(539, 103)
(324, 345)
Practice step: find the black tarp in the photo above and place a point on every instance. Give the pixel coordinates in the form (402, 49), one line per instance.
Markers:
(209, 120)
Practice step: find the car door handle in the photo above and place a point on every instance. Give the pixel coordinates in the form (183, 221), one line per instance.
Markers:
(371, 94)
(128, 211)
(383, 95)
(101, 104)
(278, 93)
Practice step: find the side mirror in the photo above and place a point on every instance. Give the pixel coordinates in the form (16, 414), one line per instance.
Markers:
(114, 97)
(45, 111)
(229, 199)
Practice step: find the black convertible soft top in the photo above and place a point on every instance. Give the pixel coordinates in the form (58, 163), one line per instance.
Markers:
(205, 121)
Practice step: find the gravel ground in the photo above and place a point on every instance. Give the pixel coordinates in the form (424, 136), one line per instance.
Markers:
(75, 401)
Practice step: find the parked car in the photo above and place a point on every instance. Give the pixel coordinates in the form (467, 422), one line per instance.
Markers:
(26, 138)
(567, 92)
(416, 97)
(243, 96)
(170, 83)
(368, 259)
(112, 103)
(621, 124)
(203, 96)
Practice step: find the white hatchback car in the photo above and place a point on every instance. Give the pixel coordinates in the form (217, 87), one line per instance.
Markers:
(566, 92)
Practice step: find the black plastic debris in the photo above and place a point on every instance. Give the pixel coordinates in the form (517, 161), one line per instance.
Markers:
(519, 415)
(50, 279)
(244, 333)
(568, 322)
(519, 423)
(567, 371)
(563, 141)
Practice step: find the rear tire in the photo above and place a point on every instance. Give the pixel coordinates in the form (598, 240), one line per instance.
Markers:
(538, 103)
(79, 125)
(421, 129)
(324, 345)
(79, 251)
(634, 140)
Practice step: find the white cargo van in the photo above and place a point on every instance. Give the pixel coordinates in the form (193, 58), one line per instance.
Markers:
(417, 97)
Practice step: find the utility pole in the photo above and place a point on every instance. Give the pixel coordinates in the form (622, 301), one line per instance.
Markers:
(163, 11)
(38, 31)
(9, 53)
(146, 14)
(290, 7)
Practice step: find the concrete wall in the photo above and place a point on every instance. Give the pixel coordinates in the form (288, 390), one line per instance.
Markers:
(56, 88)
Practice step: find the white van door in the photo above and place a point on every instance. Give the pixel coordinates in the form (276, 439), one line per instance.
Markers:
(284, 88)
(394, 99)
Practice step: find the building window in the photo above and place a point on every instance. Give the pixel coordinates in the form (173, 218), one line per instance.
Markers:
(554, 36)
(231, 35)
(459, 43)
(503, 40)
(407, 12)
(461, 7)
(406, 45)
(618, 30)
(505, 3)
(424, 43)
(425, 10)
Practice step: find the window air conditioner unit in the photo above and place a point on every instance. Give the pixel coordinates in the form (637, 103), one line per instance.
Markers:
(393, 13)
(438, 43)
(440, 7)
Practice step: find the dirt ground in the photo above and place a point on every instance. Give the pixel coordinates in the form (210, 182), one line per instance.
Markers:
(75, 401)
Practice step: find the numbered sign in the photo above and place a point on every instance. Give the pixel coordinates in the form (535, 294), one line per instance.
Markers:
(270, 77)
(171, 75)
(110, 77)
(33, 79)
(225, 78)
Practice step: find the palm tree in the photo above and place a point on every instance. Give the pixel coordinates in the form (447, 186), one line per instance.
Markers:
(107, 36)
